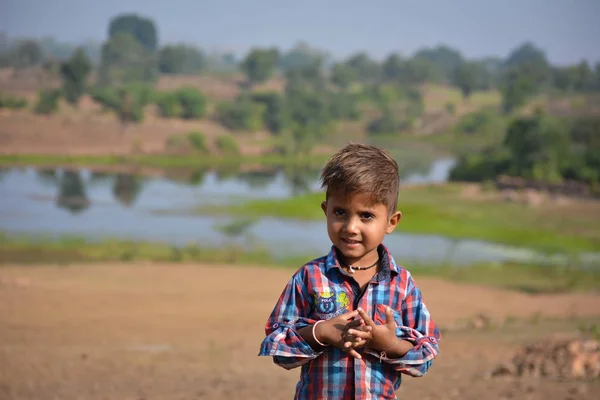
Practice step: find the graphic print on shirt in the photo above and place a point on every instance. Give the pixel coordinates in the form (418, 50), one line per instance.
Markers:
(331, 303)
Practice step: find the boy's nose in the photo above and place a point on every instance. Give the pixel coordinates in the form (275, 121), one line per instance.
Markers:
(351, 226)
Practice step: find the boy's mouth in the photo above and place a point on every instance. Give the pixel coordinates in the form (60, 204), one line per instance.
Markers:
(350, 241)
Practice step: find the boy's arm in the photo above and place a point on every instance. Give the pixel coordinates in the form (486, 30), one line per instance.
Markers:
(285, 340)
(413, 354)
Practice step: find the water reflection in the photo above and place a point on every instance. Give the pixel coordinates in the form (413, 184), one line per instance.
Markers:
(259, 179)
(71, 192)
(217, 185)
(47, 176)
(126, 189)
(97, 205)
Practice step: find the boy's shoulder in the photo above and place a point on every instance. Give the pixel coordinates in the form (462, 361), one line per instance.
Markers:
(315, 266)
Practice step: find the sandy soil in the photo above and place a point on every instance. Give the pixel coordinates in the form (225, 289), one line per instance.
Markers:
(147, 331)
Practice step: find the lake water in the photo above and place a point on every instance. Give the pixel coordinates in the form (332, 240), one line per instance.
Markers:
(79, 202)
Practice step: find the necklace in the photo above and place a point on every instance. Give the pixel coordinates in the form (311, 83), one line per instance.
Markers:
(354, 269)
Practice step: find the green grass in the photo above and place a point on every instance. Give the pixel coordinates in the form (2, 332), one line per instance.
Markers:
(441, 210)
(528, 278)
(67, 249)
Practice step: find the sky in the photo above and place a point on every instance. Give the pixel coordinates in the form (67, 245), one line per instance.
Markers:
(568, 31)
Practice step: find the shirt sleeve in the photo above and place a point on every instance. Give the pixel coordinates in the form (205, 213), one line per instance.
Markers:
(417, 328)
(288, 349)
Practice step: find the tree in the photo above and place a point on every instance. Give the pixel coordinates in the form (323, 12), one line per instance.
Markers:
(124, 60)
(466, 78)
(141, 29)
(416, 71)
(516, 88)
(275, 115)
(180, 59)
(385, 124)
(584, 76)
(243, 114)
(365, 69)
(28, 53)
(309, 117)
(342, 75)
(443, 59)
(259, 64)
(392, 67)
(564, 78)
(538, 147)
(531, 63)
(74, 73)
(126, 102)
(300, 56)
(309, 74)
(47, 101)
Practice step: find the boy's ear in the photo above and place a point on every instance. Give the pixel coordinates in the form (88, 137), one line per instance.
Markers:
(324, 207)
(394, 219)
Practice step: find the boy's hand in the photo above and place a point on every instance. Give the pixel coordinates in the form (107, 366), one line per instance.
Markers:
(330, 331)
(354, 341)
(379, 337)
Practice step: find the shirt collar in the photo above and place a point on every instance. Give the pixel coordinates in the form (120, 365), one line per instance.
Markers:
(388, 264)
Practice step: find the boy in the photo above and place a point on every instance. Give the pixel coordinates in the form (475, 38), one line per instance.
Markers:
(353, 320)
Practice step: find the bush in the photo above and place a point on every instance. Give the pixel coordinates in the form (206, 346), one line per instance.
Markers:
(107, 97)
(12, 102)
(387, 123)
(142, 93)
(47, 101)
(241, 115)
(227, 145)
(343, 106)
(480, 167)
(127, 102)
(482, 122)
(168, 105)
(193, 103)
(274, 117)
(198, 141)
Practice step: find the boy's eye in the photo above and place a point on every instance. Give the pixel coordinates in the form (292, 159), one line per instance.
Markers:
(367, 216)
(339, 213)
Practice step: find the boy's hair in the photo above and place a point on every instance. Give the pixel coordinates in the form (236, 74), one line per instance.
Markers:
(365, 169)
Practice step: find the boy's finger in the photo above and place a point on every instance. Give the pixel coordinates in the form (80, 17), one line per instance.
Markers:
(359, 334)
(349, 314)
(354, 353)
(355, 323)
(365, 317)
(389, 318)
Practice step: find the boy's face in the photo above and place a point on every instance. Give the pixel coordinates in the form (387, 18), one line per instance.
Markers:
(356, 227)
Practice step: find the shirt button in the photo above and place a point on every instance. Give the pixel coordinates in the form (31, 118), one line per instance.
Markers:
(275, 325)
(432, 340)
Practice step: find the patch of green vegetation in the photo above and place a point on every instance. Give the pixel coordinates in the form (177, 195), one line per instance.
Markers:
(442, 210)
(35, 250)
(198, 141)
(528, 278)
(12, 102)
(227, 145)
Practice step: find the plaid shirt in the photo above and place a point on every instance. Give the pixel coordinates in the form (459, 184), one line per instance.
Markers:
(322, 290)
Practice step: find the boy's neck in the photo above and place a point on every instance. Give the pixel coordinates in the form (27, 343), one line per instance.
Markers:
(363, 263)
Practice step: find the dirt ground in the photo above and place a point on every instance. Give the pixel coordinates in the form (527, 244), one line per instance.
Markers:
(148, 331)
